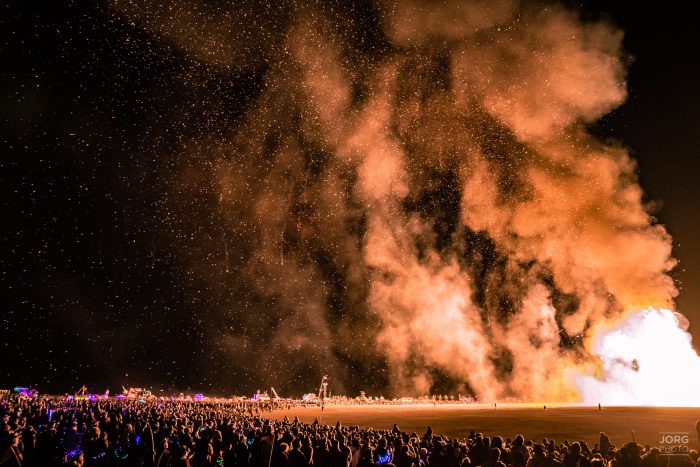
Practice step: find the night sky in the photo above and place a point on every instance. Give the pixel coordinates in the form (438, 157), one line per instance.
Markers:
(107, 200)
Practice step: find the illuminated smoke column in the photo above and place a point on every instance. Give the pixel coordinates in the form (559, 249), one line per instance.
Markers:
(412, 201)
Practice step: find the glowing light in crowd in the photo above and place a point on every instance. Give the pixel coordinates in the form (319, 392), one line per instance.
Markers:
(647, 359)
(384, 458)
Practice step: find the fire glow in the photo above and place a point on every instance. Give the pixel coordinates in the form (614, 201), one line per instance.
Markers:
(647, 359)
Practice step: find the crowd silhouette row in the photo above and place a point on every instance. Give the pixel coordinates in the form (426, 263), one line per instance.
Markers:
(45, 432)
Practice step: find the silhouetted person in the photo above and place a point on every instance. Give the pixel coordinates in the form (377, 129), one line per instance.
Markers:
(10, 453)
(574, 457)
(495, 458)
(403, 458)
(604, 443)
(280, 456)
(296, 457)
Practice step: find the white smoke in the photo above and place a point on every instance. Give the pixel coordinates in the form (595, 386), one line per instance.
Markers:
(646, 359)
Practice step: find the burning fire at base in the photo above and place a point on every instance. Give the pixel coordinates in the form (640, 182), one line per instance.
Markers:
(646, 358)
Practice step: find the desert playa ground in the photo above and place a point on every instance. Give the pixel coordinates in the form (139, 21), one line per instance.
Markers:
(573, 422)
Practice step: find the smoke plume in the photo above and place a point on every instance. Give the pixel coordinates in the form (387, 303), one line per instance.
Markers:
(412, 201)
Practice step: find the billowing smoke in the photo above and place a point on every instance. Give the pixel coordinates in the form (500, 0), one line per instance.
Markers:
(412, 200)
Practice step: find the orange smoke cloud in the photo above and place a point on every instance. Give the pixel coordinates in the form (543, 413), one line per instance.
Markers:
(432, 202)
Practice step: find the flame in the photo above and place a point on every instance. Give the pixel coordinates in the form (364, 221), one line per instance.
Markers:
(646, 359)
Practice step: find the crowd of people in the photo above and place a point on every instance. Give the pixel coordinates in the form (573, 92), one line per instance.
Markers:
(45, 432)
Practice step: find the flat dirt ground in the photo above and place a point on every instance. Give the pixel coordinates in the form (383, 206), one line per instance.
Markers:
(572, 422)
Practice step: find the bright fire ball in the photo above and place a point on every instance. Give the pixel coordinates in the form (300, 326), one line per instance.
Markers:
(647, 359)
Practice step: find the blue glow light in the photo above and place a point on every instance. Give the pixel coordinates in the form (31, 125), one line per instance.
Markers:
(384, 459)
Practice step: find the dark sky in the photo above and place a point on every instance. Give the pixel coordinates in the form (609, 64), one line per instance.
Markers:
(89, 294)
